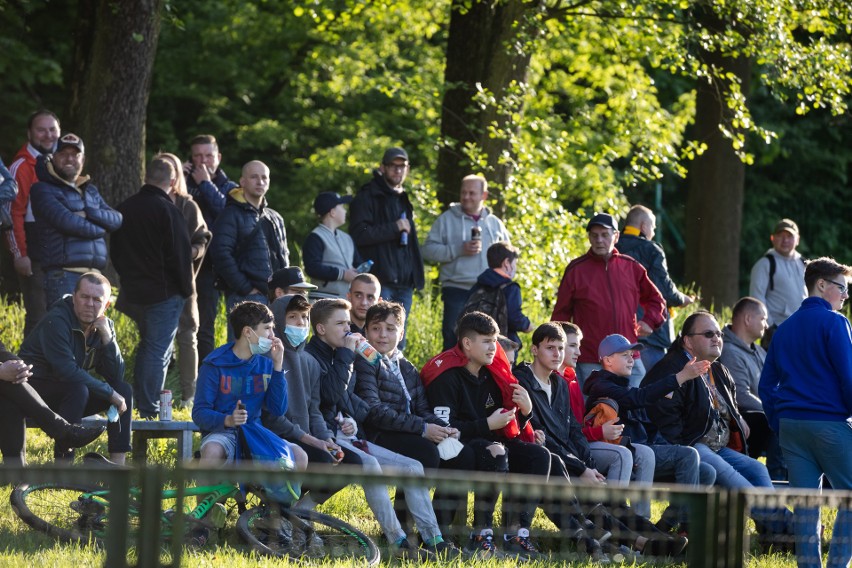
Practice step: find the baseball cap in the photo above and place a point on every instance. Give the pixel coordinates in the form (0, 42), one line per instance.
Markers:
(616, 343)
(328, 200)
(71, 140)
(604, 220)
(392, 154)
(786, 225)
(290, 277)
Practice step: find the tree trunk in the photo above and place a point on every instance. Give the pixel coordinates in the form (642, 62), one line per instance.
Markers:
(716, 185)
(482, 49)
(114, 57)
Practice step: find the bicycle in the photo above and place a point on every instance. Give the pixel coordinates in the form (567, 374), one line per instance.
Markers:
(78, 513)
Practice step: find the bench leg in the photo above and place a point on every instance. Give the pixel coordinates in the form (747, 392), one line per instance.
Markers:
(140, 448)
(184, 445)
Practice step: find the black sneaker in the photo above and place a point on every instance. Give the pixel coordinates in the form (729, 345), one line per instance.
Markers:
(76, 436)
(665, 546)
(445, 550)
(481, 546)
(405, 551)
(522, 545)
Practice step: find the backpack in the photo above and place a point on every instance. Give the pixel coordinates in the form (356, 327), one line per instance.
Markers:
(492, 301)
(771, 260)
(600, 412)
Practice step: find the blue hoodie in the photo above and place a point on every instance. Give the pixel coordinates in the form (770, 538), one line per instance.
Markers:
(224, 379)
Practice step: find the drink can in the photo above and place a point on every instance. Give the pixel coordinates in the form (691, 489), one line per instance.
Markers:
(476, 233)
(166, 405)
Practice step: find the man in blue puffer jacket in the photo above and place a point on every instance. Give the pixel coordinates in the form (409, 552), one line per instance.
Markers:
(72, 219)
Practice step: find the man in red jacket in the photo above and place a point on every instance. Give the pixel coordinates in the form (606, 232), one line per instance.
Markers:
(602, 291)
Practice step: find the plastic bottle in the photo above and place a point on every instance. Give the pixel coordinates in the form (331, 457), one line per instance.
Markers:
(403, 237)
(368, 352)
(364, 267)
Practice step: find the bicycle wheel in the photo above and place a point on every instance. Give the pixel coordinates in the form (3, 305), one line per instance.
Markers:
(61, 510)
(299, 533)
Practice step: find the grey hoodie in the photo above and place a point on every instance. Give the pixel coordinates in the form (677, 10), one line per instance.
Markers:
(444, 245)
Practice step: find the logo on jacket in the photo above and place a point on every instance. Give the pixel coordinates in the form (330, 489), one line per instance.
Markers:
(489, 402)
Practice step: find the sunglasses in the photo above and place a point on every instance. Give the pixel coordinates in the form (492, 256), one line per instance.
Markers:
(708, 334)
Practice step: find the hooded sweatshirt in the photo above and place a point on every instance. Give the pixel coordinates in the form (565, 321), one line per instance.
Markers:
(225, 379)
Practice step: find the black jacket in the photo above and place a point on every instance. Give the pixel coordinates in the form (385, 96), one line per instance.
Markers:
(151, 251)
(563, 434)
(337, 384)
(686, 416)
(382, 392)
(372, 225)
(632, 402)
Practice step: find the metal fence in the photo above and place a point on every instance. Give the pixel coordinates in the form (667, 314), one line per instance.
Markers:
(719, 532)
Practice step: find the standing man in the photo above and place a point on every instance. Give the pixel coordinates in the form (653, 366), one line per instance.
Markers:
(637, 241)
(153, 256)
(249, 240)
(72, 341)
(744, 358)
(778, 278)
(208, 185)
(382, 226)
(42, 134)
(601, 292)
(72, 220)
(806, 388)
(458, 241)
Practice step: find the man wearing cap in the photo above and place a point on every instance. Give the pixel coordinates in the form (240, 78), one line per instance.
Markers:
(382, 226)
(778, 278)
(601, 292)
(42, 133)
(71, 219)
(329, 254)
(458, 241)
(286, 281)
(249, 239)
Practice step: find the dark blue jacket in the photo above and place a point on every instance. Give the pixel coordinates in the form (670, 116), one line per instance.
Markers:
(517, 320)
(337, 384)
(210, 195)
(71, 221)
(242, 257)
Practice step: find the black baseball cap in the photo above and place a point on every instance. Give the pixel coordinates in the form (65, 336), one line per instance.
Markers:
(604, 220)
(392, 154)
(328, 200)
(290, 277)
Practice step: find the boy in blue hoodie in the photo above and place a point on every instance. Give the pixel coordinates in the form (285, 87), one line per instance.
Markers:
(237, 373)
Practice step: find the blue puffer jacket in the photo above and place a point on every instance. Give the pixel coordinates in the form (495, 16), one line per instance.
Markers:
(71, 220)
(244, 261)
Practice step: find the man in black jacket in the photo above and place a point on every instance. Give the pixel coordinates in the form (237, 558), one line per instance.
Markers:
(381, 223)
(153, 256)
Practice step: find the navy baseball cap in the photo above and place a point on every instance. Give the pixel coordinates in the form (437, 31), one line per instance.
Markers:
(328, 200)
(290, 277)
(71, 141)
(604, 220)
(616, 343)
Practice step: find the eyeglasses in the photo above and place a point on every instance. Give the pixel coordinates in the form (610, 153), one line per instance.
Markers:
(708, 334)
(842, 287)
(397, 167)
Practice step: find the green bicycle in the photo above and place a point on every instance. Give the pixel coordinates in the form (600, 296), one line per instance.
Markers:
(78, 513)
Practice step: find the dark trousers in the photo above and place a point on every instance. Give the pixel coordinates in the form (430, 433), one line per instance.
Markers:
(72, 402)
(475, 457)
(763, 440)
(16, 403)
(208, 309)
(315, 455)
(530, 459)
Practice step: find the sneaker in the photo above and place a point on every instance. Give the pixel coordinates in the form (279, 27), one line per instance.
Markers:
(216, 516)
(445, 550)
(522, 545)
(76, 436)
(666, 546)
(405, 551)
(481, 546)
(198, 537)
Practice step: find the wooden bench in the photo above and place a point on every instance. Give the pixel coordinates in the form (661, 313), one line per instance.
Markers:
(144, 430)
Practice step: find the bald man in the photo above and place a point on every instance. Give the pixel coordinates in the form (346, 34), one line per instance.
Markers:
(249, 240)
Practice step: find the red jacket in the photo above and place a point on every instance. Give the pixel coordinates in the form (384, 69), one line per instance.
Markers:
(602, 297)
(23, 168)
(501, 371)
(578, 406)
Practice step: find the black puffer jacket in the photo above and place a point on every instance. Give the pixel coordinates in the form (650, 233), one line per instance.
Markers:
(372, 224)
(382, 392)
(242, 257)
(685, 417)
(563, 434)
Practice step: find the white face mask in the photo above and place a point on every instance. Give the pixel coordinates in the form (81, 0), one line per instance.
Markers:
(295, 335)
(263, 345)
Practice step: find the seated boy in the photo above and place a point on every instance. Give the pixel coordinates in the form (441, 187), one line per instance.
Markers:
(238, 374)
(563, 436)
(472, 386)
(333, 346)
(502, 266)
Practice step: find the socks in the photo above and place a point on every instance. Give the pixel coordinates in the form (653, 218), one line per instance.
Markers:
(434, 541)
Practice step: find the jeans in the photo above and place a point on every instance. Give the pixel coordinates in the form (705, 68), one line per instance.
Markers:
(188, 348)
(419, 502)
(208, 309)
(680, 462)
(813, 448)
(651, 355)
(57, 283)
(454, 301)
(613, 461)
(737, 471)
(157, 325)
(232, 300)
(402, 296)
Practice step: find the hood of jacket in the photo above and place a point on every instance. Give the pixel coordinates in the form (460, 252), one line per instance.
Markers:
(46, 172)
(237, 196)
(491, 277)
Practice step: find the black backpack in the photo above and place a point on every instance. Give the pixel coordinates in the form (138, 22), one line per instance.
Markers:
(489, 300)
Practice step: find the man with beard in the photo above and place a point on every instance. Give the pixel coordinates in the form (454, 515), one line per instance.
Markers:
(42, 134)
(72, 220)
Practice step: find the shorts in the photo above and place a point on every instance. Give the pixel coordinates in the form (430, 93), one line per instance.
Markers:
(227, 440)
